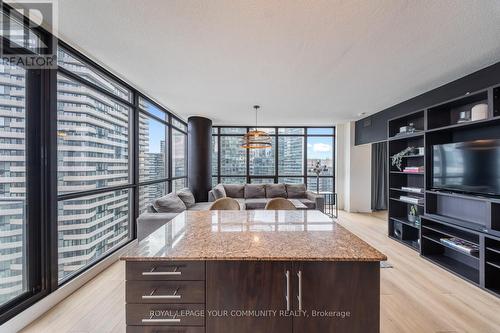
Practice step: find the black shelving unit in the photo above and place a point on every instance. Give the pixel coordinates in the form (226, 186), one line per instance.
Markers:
(446, 214)
(400, 228)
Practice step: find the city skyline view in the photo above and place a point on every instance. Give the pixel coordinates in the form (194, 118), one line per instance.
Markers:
(93, 153)
(292, 146)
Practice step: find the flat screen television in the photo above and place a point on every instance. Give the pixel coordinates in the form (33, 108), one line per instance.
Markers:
(470, 167)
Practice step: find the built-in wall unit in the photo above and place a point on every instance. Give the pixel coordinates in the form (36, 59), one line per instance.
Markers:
(444, 185)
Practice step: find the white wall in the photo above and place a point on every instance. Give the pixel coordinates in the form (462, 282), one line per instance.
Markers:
(353, 171)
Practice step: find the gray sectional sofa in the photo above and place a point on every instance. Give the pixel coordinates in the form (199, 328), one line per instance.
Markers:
(249, 196)
(256, 196)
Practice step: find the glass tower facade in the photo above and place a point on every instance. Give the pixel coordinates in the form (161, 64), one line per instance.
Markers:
(12, 182)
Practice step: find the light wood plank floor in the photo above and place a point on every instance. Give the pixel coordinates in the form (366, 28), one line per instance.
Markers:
(417, 296)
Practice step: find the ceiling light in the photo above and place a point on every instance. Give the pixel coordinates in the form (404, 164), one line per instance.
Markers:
(256, 139)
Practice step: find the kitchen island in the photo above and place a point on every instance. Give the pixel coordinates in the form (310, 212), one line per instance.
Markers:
(252, 271)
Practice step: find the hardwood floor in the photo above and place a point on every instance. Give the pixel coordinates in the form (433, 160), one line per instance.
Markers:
(417, 296)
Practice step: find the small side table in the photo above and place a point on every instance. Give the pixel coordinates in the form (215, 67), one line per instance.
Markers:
(331, 207)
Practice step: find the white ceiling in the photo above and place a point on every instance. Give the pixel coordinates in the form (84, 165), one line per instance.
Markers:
(306, 62)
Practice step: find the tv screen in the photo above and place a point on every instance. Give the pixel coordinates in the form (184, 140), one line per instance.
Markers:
(472, 167)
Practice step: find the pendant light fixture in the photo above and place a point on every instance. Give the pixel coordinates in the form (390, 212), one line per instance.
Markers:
(256, 139)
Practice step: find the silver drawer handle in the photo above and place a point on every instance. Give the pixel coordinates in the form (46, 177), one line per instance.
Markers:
(161, 296)
(287, 297)
(299, 296)
(152, 296)
(156, 273)
(169, 320)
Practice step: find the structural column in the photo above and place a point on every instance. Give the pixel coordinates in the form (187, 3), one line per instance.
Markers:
(200, 157)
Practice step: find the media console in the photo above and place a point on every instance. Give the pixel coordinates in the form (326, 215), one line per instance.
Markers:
(457, 231)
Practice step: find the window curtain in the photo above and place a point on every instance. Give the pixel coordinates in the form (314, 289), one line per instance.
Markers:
(379, 176)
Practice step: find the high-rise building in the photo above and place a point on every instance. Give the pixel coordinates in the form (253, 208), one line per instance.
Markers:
(93, 152)
(12, 181)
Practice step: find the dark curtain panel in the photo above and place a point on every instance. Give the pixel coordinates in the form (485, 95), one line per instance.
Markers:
(379, 176)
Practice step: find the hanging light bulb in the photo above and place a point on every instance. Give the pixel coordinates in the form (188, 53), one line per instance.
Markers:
(256, 139)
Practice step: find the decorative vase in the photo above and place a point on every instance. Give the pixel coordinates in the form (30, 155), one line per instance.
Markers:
(412, 218)
(479, 112)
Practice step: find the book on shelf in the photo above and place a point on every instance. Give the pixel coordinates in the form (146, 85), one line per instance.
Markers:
(417, 169)
(412, 189)
(412, 200)
(460, 245)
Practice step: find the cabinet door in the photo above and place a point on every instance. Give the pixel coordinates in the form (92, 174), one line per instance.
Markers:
(337, 297)
(234, 286)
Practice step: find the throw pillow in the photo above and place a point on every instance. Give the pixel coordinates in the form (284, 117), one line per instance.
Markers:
(275, 191)
(295, 191)
(219, 192)
(234, 190)
(187, 197)
(255, 191)
(170, 203)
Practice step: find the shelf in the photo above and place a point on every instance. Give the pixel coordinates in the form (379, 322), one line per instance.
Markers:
(459, 195)
(406, 202)
(454, 266)
(405, 191)
(408, 173)
(406, 222)
(489, 248)
(407, 136)
(413, 156)
(453, 222)
(495, 264)
(452, 232)
(413, 244)
(437, 240)
(470, 124)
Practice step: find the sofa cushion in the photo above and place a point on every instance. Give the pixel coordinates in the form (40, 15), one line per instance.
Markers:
(219, 192)
(170, 203)
(275, 191)
(296, 191)
(201, 206)
(187, 197)
(308, 203)
(235, 190)
(255, 191)
(256, 203)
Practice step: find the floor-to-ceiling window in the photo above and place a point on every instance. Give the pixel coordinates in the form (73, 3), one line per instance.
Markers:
(93, 164)
(13, 187)
(179, 155)
(82, 154)
(162, 153)
(294, 152)
(22, 277)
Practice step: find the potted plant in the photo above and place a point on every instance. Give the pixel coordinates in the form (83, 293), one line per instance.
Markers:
(413, 214)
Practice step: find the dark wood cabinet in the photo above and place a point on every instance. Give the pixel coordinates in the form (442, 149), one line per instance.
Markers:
(322, 296)
(337, 297)
(236, 286)
(222, 296)
(165, 296)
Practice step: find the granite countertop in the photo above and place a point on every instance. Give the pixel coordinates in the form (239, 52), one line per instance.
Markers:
(300, 235)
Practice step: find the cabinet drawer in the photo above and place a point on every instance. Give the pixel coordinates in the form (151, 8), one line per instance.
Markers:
(163, 329)
(165, 291)
(165, 314)
(165, 270)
